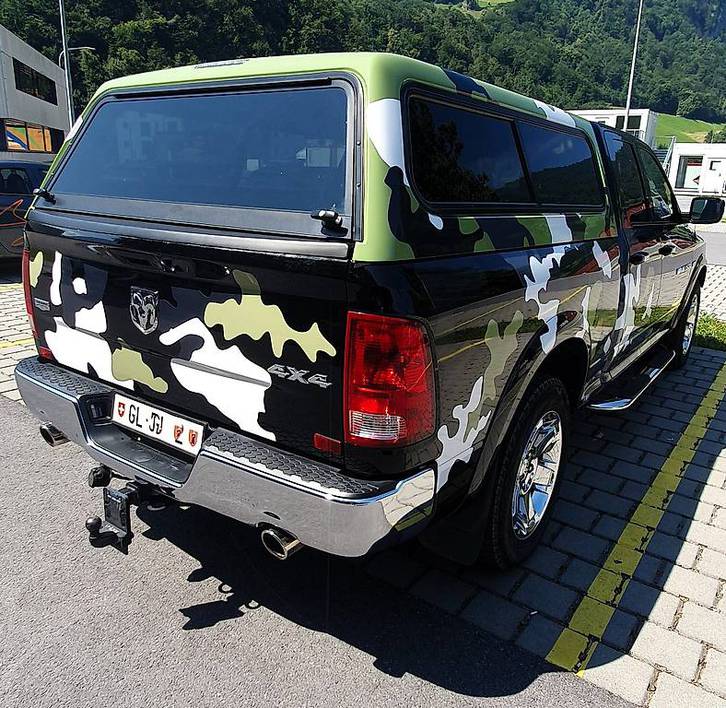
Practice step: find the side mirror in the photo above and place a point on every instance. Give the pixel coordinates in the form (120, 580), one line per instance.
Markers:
(705, 210)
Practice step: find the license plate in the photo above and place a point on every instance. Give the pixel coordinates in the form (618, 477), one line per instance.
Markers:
(154, 423)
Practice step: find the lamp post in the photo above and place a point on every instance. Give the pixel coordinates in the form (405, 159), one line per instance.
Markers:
(632, 66)
(64, 61)
(61, 56)
(64, 40)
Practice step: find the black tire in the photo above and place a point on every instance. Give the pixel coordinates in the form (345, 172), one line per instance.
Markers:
(502, 548)
(679, 333)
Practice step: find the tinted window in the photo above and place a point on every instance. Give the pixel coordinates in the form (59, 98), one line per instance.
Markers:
(281, 150)
(34, 83)
(561, 166)
(625, 167)
(659, 190)
(14, 181)
(462, 156)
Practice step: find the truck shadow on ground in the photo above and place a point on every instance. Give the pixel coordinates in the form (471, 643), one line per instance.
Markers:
(337, 596)
(632, 491)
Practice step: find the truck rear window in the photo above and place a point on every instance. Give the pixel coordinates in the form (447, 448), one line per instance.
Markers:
(281, 150)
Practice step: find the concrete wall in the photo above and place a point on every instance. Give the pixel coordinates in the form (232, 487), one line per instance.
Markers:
(22, 106)
(44, 157)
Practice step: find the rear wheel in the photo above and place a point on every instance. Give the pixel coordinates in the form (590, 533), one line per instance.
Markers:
(685, 331)
(527, 476)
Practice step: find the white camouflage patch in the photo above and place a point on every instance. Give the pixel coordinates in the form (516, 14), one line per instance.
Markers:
(385, 130)
(559, 230)
(79, 286)
(649, 305)
(459, 446)
(586, 312)
(55, 296)
(233, 384)
(603, 259)
(77, 350)
(626, 319)
(437, 221)
(92, 319)
(546, 311)
(556, 114)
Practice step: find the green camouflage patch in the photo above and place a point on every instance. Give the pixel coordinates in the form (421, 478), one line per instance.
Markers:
(500, 349)
(254, 318)
(36, 265)
(128, 365)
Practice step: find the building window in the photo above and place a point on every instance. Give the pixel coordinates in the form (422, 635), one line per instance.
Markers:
(16, 135)
(689, 172)
(26, 137)
(32, 82)
(633, 122)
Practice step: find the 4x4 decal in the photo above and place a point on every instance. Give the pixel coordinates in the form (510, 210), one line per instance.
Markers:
(300, 375)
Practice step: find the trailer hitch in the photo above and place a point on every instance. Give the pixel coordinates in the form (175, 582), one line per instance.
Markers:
(115, 529)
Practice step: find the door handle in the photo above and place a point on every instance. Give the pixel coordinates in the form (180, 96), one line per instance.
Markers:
(638, 258)
(666, 249)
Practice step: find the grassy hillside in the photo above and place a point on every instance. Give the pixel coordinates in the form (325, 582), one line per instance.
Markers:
(686, 130)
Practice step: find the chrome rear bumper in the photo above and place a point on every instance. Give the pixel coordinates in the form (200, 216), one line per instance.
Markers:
(235, 475)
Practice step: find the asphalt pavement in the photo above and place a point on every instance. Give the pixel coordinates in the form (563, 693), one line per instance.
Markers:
(198, 615)
(715, 239)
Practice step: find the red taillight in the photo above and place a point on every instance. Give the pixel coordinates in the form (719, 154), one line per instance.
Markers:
(389, 381)
(26, 288)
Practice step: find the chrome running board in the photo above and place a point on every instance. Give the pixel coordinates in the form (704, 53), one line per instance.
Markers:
(624, 395)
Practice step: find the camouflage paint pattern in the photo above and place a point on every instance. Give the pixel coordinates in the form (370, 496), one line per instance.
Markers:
(128, 365)
(35, 266)
(495, 291)
(251, 316)
(500, 349)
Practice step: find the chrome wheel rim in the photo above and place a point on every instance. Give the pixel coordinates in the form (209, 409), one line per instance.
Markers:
(537, 475)
(690, 328)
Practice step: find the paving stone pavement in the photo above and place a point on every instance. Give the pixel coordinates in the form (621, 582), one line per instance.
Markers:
(712, 296)
(664, 643)
(16, 340)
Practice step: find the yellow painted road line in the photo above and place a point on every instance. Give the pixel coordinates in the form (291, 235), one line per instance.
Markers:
(577, 642)
(7, 343)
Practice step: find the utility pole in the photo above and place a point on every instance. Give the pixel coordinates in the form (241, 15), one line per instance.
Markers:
(69, 84)
(632, 66)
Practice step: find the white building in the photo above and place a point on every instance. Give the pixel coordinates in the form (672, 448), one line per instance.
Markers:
(698, 169)
(33, 102)
(641, 121)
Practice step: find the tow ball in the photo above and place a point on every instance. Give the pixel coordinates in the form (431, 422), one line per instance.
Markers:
(115, 528)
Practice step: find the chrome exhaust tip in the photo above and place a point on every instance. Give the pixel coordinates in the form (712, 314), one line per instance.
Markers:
(52, 435)
(279, 543)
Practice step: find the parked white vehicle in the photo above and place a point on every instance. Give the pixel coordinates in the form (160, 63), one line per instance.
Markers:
(698, 169)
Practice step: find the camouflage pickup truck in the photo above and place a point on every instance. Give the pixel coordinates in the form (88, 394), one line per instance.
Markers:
(347, 299)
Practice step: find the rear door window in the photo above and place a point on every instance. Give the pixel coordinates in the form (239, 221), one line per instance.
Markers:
(561, 165)
(629, 185)
(463, 156)
(278, 150)
(14, 181)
